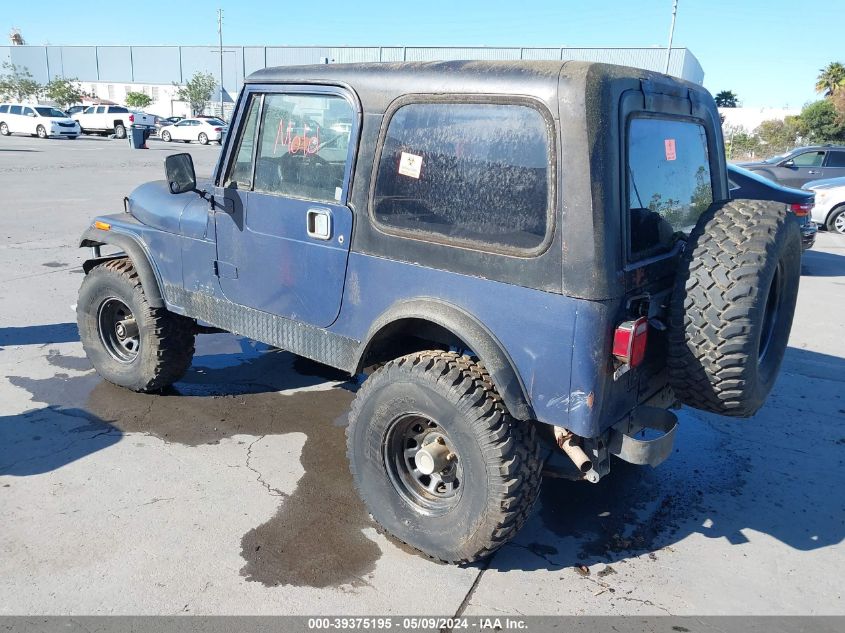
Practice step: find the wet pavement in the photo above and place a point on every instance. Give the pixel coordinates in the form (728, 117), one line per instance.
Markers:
(230, 493)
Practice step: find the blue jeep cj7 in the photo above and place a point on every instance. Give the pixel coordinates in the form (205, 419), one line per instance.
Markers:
(532, 262)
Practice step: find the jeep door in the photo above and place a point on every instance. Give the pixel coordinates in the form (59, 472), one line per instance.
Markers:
(283, 237)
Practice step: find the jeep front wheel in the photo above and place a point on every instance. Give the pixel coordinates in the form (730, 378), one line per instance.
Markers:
(437, 458)
(732, 306)
(130, 343)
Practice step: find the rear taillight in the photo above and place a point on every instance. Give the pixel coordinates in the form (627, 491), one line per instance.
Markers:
(132, 118)
(629, 342)
(801, 209)
(218, 129)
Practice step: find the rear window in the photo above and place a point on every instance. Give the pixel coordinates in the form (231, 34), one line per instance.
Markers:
(477, 173)
(669, 183)
(836, 159)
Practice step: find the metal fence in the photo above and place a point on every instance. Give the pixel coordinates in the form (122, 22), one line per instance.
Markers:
(176, 64)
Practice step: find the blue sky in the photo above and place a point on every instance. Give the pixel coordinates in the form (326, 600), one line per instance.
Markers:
(767, 51)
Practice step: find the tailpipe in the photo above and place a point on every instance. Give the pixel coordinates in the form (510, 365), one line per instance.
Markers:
(568, 444)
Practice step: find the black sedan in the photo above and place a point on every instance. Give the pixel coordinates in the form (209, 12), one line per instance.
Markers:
(746, 184)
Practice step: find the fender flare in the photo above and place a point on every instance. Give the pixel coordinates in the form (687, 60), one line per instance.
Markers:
(136, 252)
(472, 332)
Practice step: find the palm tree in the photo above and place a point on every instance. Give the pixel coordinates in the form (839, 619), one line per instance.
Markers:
(831, 78)
(726, 99)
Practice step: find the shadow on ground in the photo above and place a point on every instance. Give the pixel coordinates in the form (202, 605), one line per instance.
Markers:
(39, 334)
(822, 264)
(727, 478)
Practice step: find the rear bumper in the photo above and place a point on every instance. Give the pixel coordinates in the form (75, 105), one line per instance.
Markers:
(808, 235)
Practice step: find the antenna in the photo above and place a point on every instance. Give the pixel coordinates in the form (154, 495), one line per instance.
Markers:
(671, 34)
(220, 36)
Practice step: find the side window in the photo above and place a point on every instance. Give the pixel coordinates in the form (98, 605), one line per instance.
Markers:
(101, 109)
(669, 184)
(835, 159)
(476, 173)
(240, 171)
(303, 146)
(809, 159)
(28, 112)
(15, 110)
(118, 110)
(4, 109)
(89, 110)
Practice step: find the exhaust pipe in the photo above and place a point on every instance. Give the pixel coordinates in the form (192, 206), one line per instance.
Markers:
(566, 440)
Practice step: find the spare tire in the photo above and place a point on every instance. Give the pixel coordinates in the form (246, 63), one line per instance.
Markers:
(732, 306)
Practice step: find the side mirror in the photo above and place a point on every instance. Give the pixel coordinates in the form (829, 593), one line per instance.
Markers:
(32, 114)
(180, 174)
(788, 163)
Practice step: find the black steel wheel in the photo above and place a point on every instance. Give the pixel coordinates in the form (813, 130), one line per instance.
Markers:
(438, 460)
(129, 342)
(423, 464)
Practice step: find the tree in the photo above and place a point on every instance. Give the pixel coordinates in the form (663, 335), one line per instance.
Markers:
(819, 122)
(831, 79)
(17, 84)
(65, 92)
(197, 92)
(138, 100)
(778, 135)
(726, 99)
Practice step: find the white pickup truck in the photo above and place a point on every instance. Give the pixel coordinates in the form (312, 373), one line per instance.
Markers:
(111, 119)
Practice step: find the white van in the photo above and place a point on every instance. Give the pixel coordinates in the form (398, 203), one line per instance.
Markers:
(36, 120)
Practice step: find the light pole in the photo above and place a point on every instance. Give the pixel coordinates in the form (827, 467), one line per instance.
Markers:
(671, 34)
(220, 38)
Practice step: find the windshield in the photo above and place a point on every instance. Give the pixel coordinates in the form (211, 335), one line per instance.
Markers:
(51, 112)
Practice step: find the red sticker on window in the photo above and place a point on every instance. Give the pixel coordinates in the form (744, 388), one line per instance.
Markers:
(669, 143)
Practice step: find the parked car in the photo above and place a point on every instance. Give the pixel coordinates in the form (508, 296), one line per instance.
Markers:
(802, 165)
(111, 119)
(746, 184)
(829, 211)
(507, 300)
(35, 120)
(201, 130)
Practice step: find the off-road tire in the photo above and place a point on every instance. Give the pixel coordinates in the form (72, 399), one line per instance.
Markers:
(732, 306)
(499, 455)
(838, 215)
(166, 339)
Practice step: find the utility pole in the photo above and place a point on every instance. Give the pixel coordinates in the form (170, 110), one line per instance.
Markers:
(671, 34)
(220, 38)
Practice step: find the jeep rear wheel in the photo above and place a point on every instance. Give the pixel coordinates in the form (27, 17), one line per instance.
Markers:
(130, 343)
(437, 458)
(732, 306)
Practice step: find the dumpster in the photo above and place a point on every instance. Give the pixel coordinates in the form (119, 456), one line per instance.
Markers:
(137, 137)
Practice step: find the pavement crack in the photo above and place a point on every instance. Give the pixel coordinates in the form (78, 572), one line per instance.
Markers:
(273, 492)
(645, 602)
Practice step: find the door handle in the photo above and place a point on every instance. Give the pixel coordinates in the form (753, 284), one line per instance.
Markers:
(319, 223)
(812, 171)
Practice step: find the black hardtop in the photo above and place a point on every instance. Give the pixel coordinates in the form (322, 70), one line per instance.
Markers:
(379, 83)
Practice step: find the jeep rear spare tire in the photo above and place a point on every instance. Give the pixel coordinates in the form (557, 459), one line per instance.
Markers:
(437, 458)
(732, 306)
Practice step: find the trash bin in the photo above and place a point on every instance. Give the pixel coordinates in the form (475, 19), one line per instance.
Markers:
(137, 137)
